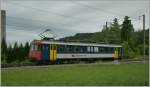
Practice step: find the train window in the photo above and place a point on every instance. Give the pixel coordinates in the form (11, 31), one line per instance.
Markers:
(84, 49)
(60, 48)
(70, 48)
(95, 49)
(35, 47)
(106, 49)
(92, 49)
(81, 49)
(39, 47)
(32, 47)
(111, 50)
(77, 49)
(66, 48)
(88, 49)
(43, 47)
(101, 49)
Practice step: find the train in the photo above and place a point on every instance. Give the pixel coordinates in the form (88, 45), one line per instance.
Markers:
(60, 52)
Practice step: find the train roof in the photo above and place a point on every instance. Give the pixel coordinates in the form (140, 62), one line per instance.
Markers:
(74, 43)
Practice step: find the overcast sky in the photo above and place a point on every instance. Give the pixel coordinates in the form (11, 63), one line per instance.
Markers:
(26, 19)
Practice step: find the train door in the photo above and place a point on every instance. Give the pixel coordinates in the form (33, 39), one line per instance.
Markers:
(53, 52)
(116, 53)
(45, 51)
(120, 53)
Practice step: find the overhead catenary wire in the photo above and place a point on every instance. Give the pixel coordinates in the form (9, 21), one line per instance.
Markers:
(58, 14)
(75, 18)
(102, 10)
(16, 26)
(51, 12)
(40, 26)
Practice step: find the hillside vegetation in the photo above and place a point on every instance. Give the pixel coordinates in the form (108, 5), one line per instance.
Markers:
(123, 34)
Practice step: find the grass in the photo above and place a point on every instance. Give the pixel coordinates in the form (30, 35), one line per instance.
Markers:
(78, 74)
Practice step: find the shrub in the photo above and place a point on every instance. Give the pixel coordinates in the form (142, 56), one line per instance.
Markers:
(26, 62)
(33, 59)
(128, 52)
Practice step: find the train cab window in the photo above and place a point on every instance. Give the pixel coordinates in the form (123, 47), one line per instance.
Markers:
(38, 47)
(35, 47)
(32, 47)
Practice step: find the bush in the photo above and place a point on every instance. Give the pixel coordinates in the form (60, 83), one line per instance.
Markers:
(33, 59)
(131, 53)
(26, 62)
(3, 62)
(15, 62)
(128, 52)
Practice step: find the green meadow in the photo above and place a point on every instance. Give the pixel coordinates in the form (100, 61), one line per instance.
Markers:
(77, 75)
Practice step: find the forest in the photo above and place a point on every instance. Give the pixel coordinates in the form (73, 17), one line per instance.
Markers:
(123, 34)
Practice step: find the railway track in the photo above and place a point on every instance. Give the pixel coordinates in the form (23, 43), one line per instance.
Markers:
(123, 61)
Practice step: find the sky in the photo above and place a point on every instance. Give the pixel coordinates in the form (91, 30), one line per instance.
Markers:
(25, 20)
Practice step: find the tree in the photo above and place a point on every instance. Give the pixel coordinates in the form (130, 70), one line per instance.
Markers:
(114, 32)
(105, 34)
(15, 52)
(26, 48)
(21, 53)
(127, 51)
(3, 50)
(10, 54)
(126, 30)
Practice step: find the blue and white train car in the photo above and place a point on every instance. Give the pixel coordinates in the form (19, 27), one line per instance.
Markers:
(55, 50)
